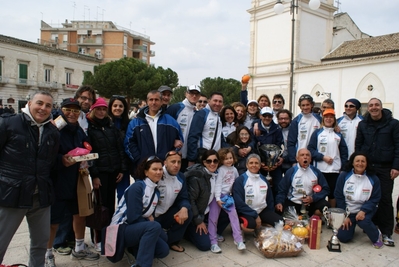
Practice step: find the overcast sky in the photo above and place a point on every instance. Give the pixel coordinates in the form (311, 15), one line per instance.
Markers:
(196, 39)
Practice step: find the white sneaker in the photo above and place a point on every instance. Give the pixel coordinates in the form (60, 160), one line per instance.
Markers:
(97, 247)
(50, 261)
(215, 248)
(240, 245)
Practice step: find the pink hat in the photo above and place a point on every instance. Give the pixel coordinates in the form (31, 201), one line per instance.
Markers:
(100, 102)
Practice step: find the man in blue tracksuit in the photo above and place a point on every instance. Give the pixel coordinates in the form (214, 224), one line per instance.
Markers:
(152, 132)
(183, 113)
(207, 132)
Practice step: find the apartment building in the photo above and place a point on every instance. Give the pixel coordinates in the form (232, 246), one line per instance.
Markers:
(101, 39)
(26, 67)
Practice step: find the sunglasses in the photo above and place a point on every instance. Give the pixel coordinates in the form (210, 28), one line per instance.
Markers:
(209, 161)
(202, 101)
(86, 98)
(152, 158)
(172, 153)
(75, 111)
(305, 97)
(119, 96)
(277, 102)
(350, 106)
(267, 115)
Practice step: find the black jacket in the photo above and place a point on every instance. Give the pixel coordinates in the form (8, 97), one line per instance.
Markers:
(24, 164)
(199, 191)
(380, 139)
(66, 178)
(107, 141)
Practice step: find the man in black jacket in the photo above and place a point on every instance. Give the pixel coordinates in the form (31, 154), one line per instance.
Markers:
(378, 135)
(28, 149)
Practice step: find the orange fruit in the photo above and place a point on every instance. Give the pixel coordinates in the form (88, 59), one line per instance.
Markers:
(245, 78)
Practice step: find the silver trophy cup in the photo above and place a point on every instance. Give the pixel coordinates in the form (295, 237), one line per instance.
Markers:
(335, 217)
(269, 154)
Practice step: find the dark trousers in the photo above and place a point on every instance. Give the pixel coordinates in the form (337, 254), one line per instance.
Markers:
(367, 225)
(122, 185)
(266, 216)
(202, 242)
(64, 232)
(174, 231)
(107, 190)
(384, 218)
(319, 205)
(146, 241)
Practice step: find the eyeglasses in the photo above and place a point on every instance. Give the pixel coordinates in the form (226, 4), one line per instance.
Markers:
(84, 98)
(214, 161)
(119, 96)
(202, 101)
(277, 102)
(350, 106)
(267, 115)
(172, 153)
(303, 97)
(244, 135)
(75, 111)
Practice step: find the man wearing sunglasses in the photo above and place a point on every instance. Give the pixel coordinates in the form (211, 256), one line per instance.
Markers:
(277, 104)
(348, 123)
(201, 103)
(183, 113)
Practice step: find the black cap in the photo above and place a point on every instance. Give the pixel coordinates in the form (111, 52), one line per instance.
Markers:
(70, 101)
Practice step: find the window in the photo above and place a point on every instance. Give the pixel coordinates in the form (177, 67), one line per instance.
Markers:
(47, 75)
(68, 77)
(124, 39)
(65, 38)
(23, 73)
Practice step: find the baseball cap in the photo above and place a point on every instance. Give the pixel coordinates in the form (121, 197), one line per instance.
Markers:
(252, 101)
(193, 88)
(266, 110)
(70, 101)
(164, 88)
(329, 111)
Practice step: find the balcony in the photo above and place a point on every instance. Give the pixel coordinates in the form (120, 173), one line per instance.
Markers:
(138, 48)
(70, 87)
(24, 83)
(48, 85)
(3, 80)
(152, 53)
(90, 41)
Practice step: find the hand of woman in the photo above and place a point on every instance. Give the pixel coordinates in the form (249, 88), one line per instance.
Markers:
(119, 177)
(201, 228)
(220, 203)
(96, 183)
(151, 218)
(347, 223)
(360, 216)
(181, 216)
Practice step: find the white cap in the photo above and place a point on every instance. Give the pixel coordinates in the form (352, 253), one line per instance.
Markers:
(266, 110)
(252, 101)
(194, 88)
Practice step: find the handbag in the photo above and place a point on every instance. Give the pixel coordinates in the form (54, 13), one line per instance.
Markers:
(101, 217)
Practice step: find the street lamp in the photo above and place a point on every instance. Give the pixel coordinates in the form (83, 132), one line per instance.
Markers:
(278, 9)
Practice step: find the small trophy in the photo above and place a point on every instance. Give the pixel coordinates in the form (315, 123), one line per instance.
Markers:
(335, 217)
(269, 153)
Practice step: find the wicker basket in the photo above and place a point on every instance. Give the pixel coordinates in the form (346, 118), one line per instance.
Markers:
(271, 255)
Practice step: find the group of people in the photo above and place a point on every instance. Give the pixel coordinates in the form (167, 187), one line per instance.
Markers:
(197, 165)
(6, 109)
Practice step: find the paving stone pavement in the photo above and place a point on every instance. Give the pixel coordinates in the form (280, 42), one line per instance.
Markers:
(359, 252)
